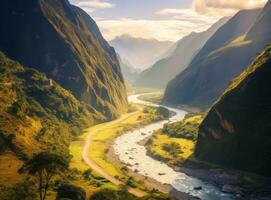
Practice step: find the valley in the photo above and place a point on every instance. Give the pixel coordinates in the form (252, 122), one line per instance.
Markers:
(135, 100)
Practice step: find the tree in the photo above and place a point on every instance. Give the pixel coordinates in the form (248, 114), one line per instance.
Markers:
(45, 166)
(71, 192)
(105, 194)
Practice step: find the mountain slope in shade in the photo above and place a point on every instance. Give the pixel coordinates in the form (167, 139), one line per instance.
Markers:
(181, 57)
(141, 53)
(226, 54)
(130, 73)
(65, 43)
(236, 131)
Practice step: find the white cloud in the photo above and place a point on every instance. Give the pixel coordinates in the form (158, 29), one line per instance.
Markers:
(95, 4)
(91, 6)
(172, 30)
(225, 7)
(168, 11)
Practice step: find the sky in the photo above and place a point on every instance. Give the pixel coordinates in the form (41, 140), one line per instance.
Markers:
(164, 20)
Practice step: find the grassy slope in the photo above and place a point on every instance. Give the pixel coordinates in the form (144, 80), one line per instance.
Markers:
(35, 116)
(64, 42)
(154, 98)
(183, 134)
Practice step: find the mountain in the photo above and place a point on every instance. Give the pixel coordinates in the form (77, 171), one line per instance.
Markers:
(63, 42)
(129, 72)
(236, 131)
(181, 57)
(225, 55)
(36, 115)
(141, 53)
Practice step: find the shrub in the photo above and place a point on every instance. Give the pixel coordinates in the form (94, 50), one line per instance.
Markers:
(71, 192)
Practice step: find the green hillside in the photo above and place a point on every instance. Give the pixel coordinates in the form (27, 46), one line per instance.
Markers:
(36, 115)
(64, 42)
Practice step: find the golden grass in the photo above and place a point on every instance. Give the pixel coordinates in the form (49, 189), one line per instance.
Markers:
(9, 166)
(194, 118)
(187, 146)
(103, 139)
(154, 97)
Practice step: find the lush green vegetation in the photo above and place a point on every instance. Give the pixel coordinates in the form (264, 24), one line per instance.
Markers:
(187, 128)
(101, 142)
(45, 166)
(72, 51)
(36, 115)
(107, 194)
(175, 142)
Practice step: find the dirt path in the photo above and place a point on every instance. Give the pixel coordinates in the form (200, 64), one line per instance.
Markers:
(96, 167)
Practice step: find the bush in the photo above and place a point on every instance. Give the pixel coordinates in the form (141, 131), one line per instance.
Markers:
(105, 194)
(172, 148)
(71, 192)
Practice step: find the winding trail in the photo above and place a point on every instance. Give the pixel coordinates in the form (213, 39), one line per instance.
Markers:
(96, 167)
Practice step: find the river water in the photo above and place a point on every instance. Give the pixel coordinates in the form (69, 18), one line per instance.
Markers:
(129, 150)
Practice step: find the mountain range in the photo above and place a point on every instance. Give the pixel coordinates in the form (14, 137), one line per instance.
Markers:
(177, 60)
(225, 55)
(140, 52)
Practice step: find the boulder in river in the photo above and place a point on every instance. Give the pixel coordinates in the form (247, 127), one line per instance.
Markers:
(198, 188)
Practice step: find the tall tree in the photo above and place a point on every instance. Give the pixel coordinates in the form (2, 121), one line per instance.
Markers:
(45, 165)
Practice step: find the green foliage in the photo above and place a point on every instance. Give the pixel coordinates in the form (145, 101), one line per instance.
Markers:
(48, 162)
(187, 129)
(45, 166)
(156, 113)
(71, 192)
(173, 148)
(27, 100)
(25, 190)
(107, 194)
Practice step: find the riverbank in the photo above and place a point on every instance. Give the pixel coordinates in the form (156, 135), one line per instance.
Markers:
(95, 143)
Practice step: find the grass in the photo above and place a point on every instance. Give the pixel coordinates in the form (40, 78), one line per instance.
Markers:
(9, 166)
(139, 90)
(175, 143)
(154, 98)
(158, 142)
(103, 139)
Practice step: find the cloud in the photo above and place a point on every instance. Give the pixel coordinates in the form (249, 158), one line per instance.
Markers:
(225, 7)
(168, 11)
(172, 30)
(91, 6)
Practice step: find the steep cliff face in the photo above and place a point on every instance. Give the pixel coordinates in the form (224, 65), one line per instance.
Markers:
(65, 43)
(236, 131)
(186, 49)
(226, 54)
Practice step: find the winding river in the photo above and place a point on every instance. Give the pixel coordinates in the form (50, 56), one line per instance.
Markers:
(129, 150)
